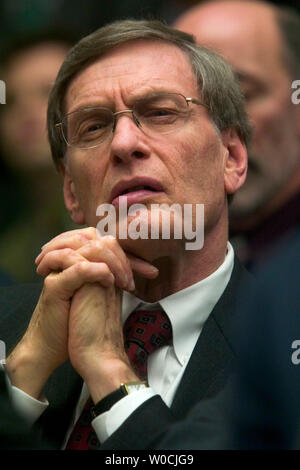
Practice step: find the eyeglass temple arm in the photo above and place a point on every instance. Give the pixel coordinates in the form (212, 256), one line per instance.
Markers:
(195, 101)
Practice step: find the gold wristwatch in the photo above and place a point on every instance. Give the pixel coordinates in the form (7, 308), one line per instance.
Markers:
(107, 402)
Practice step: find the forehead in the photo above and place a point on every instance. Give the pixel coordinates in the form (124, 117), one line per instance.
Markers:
(246, 34)
(130, 71)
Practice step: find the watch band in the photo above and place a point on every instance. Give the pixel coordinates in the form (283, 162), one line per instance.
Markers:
(107, 402)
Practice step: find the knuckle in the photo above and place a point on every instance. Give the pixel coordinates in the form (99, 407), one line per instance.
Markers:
(82, 267)
(93, 244)
(97, 246)
(79, 239)
(49, 258)
(82, 238)
(90, 232)
(49, 282)
(105, 269)
(109, 241)
(66, 252)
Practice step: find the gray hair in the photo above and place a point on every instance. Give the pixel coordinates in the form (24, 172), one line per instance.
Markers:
(219, 89)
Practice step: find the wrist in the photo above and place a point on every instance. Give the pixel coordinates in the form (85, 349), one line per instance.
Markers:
(110, 400)
(102, 381)
(26, 372)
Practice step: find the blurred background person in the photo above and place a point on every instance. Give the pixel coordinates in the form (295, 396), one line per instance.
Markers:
(32, 206)
(262, 43)
(23, 16)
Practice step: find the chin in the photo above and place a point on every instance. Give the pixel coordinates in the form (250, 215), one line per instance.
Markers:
(150, 250)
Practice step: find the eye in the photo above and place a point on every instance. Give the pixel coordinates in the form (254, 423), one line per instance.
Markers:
(95, 127)
(91, 129)
(88, 128)
(159, 114)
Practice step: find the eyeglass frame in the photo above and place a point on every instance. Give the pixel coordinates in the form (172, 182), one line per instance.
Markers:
(116, 113)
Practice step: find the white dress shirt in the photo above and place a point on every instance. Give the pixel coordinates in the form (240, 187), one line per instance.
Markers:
(187, 310)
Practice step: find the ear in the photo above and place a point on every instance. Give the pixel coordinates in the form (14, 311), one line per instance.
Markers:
(71, 200)
(235, 161)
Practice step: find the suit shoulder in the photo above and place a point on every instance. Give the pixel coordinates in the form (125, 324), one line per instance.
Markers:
(18, 297)
(17, 304)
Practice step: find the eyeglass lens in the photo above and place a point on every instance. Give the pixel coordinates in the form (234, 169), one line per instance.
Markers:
(156, 114)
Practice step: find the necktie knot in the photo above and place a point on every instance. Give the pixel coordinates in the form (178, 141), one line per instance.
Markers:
(144, 332)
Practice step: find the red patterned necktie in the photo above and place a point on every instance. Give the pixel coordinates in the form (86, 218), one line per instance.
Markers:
(144, 332)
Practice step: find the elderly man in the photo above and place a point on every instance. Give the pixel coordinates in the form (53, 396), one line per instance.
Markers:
(140, 114)
(262, 43)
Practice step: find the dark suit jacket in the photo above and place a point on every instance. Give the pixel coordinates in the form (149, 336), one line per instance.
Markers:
(266, 411)
(260, 409)
(15, 433)
(205, 376)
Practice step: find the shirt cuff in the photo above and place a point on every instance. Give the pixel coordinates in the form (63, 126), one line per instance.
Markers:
(107, 423)
(28, 407)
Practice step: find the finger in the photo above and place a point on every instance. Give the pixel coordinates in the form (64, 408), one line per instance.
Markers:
(63, 285)
(72, 239)
(142, 267)
(58, 260)
(88, 232)
(109, 252)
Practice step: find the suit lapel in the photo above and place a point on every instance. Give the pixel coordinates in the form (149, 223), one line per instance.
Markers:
(213, 355)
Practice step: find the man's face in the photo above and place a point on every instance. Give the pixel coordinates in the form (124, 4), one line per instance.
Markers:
(188, 164)
(247, 36)
(29, 77)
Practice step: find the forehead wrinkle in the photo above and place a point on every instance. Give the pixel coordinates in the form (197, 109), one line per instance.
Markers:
(91, 96)
(117, 79)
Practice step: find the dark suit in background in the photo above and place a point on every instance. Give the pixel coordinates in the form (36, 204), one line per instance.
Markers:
(260, 408)
(267, 412)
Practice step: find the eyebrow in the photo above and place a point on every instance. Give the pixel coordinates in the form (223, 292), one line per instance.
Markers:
(139, 96)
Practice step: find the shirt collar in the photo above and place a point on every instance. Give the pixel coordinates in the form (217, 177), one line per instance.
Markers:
(189, 308)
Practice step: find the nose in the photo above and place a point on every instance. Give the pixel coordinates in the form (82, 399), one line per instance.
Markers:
(118, 113)
(128, 141)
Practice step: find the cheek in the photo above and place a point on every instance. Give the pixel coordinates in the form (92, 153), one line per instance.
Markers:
(87, 178)
(201, 168)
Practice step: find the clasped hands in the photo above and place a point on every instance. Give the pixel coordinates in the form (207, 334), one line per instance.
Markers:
(78, 315)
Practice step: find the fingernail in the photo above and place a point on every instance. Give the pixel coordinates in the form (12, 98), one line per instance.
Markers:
(153, 268)
(132, 285)
(36, 259)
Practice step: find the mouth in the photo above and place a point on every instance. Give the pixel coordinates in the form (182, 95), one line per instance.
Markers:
(135, 190)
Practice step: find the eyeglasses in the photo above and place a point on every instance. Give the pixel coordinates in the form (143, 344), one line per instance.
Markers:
(159, 113)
